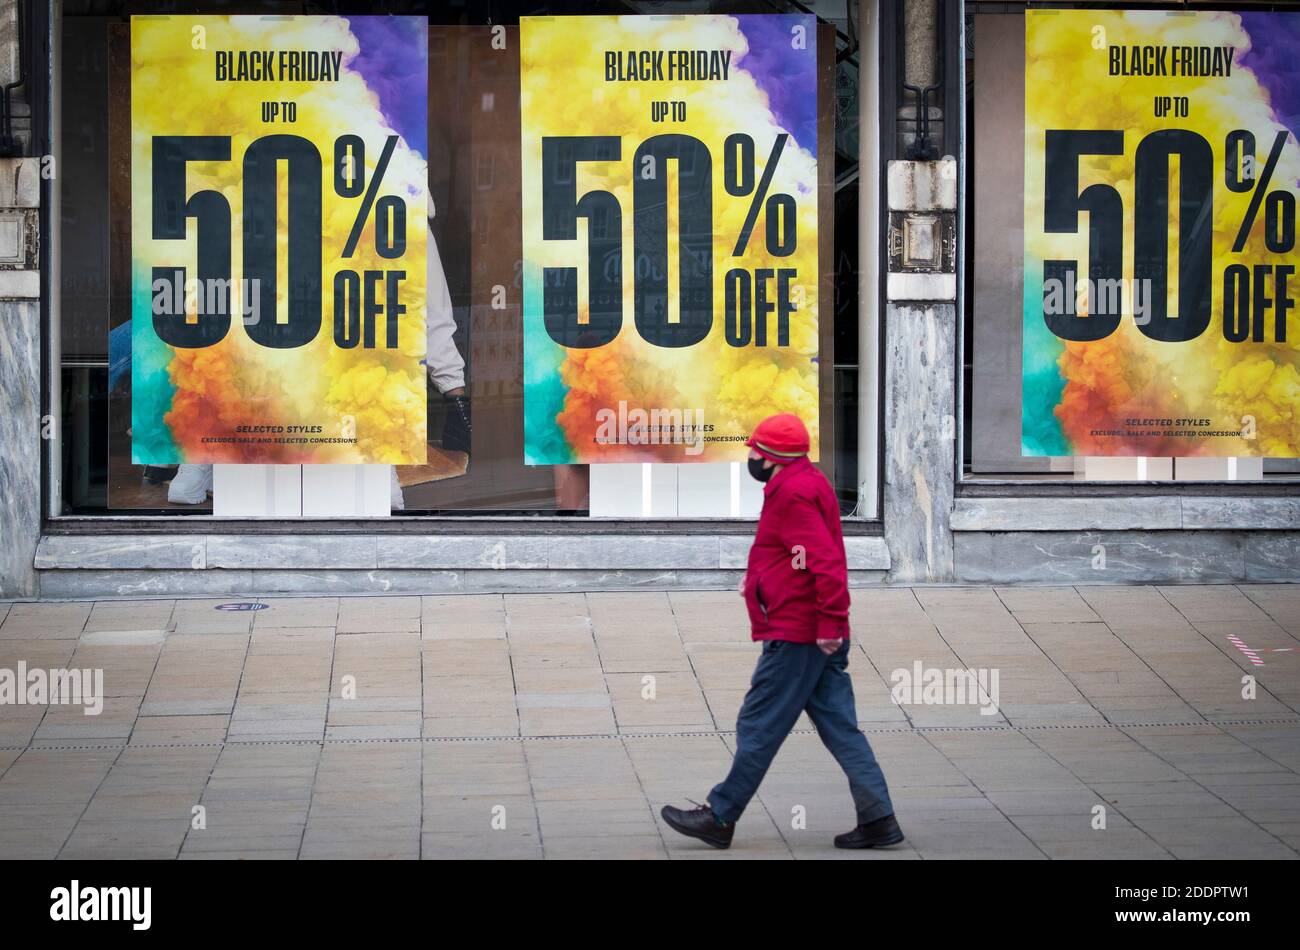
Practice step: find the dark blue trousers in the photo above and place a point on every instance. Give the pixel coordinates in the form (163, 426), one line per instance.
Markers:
(789, 679)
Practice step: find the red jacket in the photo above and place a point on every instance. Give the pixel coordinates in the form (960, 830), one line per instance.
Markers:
(797, 581)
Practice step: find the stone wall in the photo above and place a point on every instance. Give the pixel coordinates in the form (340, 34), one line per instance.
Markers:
(20, 374)
(79, 566)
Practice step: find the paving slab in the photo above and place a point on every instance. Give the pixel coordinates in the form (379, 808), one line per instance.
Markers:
(547, 725)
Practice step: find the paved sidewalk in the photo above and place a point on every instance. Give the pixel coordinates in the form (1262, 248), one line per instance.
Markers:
(556, 725)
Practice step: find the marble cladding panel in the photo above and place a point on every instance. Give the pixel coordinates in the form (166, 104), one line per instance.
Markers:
(920, 429)
(20, 445)
(1105, 557)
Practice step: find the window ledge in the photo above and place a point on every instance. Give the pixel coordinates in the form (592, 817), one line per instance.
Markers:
(387, 552)
(1150, 512)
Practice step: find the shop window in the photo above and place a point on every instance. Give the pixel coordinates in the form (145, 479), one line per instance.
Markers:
(479, 387)
(1137, 403)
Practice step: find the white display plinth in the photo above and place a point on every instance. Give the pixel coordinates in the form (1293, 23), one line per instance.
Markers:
(655, 490)
(1232, 469)
(1091, 468)
(347, 491)
(633, 490)
(301, 491)
(1095, 468)
(257, 491)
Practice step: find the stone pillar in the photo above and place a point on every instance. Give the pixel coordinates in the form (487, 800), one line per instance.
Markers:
(20, 375)
(920, 370)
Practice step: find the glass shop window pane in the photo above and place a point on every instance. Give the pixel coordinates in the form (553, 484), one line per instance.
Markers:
(478, 386)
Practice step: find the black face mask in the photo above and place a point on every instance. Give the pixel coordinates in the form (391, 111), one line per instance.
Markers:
(758, 471)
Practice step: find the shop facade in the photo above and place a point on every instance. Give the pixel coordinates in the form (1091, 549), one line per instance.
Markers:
(901, 218)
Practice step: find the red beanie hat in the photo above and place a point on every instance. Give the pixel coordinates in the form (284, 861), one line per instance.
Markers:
(781, 438)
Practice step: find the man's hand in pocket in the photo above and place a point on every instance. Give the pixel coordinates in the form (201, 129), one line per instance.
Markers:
(830, 646)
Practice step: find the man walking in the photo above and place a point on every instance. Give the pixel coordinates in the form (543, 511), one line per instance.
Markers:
(796, 590)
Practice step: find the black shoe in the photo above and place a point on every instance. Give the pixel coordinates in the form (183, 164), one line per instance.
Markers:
(157, 474)
(700, 823)
(876, 834)
(456, 429)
